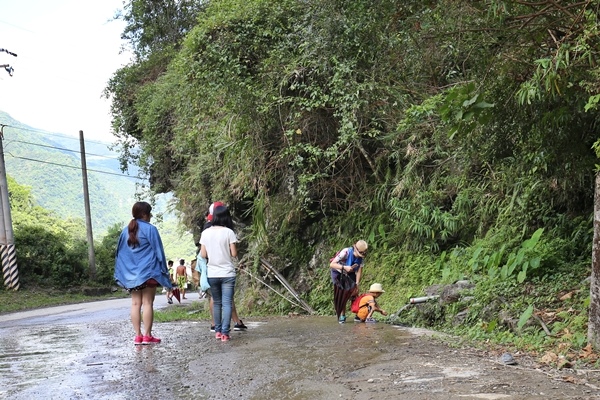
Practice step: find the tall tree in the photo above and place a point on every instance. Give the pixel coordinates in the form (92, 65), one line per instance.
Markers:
(594, 313)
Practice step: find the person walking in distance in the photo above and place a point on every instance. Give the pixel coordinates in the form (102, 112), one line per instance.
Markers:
(172, 277)
(218, 248)
(141, 267)
(181, 276)
(195, 276)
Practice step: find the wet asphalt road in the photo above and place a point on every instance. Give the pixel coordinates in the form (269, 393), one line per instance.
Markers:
(85, 351)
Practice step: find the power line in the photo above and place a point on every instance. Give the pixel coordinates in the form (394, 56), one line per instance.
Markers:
(8, 52)
(70, 166)
(61, 148)
(53, 134)
(17, 26)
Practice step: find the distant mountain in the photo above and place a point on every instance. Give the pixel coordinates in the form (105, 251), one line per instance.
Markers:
(50, 164)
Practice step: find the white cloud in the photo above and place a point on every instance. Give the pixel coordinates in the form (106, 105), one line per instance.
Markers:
(67, 51)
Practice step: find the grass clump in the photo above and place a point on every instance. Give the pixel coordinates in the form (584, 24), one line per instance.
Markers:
(196, 310)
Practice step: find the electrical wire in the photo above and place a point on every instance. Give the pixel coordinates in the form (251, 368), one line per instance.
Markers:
(73, 167)
(61, 148)
(52, 134)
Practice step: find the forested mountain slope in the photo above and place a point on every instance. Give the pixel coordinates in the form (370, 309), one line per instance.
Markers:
(49, 213)
(51, 165)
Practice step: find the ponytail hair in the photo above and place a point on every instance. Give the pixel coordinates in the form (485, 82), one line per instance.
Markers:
(138, 211)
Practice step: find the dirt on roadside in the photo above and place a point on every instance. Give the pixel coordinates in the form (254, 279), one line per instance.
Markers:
(276, 358)
(317, 358)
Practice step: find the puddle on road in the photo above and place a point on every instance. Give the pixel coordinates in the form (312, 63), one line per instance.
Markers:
(39, 357)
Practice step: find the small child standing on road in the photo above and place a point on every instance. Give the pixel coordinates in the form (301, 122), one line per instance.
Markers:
(368, 305)
(172, 277)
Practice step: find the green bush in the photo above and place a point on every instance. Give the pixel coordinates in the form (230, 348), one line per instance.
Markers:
(44, 258)
(105, 256)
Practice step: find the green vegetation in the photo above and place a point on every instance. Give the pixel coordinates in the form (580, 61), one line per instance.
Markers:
(50, 251)
(190, 312)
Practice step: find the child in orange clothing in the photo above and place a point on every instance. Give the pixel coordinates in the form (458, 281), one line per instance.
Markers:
(368, 305)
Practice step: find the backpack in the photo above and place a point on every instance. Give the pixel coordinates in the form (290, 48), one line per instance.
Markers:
(355, 307)
(336, 254)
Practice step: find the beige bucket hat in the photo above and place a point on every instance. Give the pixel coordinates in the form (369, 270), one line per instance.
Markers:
(362, 247)
(376, 288)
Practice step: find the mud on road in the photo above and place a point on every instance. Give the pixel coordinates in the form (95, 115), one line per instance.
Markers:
(277, 358)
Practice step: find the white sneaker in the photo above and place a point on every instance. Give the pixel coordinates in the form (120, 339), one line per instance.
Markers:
(164, 290)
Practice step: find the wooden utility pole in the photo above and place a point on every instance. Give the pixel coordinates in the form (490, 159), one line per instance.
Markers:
(88, 214)
(8, 252)
(594, 311)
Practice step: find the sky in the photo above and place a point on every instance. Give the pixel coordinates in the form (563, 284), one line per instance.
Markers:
(67, 50)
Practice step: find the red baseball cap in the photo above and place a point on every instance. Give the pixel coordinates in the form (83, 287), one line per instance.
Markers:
(211, 209)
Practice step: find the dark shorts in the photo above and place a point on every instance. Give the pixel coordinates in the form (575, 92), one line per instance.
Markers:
(149, 283)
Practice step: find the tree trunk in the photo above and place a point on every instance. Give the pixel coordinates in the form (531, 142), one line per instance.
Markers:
(594, 311)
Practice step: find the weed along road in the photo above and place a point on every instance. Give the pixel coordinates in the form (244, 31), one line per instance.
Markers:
(86, 351)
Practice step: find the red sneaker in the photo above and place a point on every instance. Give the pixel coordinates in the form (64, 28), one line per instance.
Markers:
(138, 340)
(150, 340)
(218, 336)
(225, 338)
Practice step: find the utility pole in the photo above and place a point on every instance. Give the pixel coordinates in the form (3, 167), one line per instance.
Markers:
(8, 253)
(7, 242)
(88, 214)
(594, 310)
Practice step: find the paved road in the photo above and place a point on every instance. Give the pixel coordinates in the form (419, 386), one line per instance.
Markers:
(107, 310)
(85, 351)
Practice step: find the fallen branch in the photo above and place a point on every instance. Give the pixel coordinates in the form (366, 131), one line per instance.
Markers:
(268, 286)
(544, 327)
(281, 279)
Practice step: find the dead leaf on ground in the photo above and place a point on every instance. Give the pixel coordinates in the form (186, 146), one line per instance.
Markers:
(548, 316)
(567, 296)
(549, 358)
(566, 333)
(572, 379)
(588, 353)
(564, 363)
(564, 346)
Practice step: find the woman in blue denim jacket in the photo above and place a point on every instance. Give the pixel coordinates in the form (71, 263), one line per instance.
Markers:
(140, 268)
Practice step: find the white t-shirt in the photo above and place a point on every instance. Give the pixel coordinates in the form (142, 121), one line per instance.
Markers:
(217, 239)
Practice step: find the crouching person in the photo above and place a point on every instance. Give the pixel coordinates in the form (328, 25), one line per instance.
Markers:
(368, 304)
